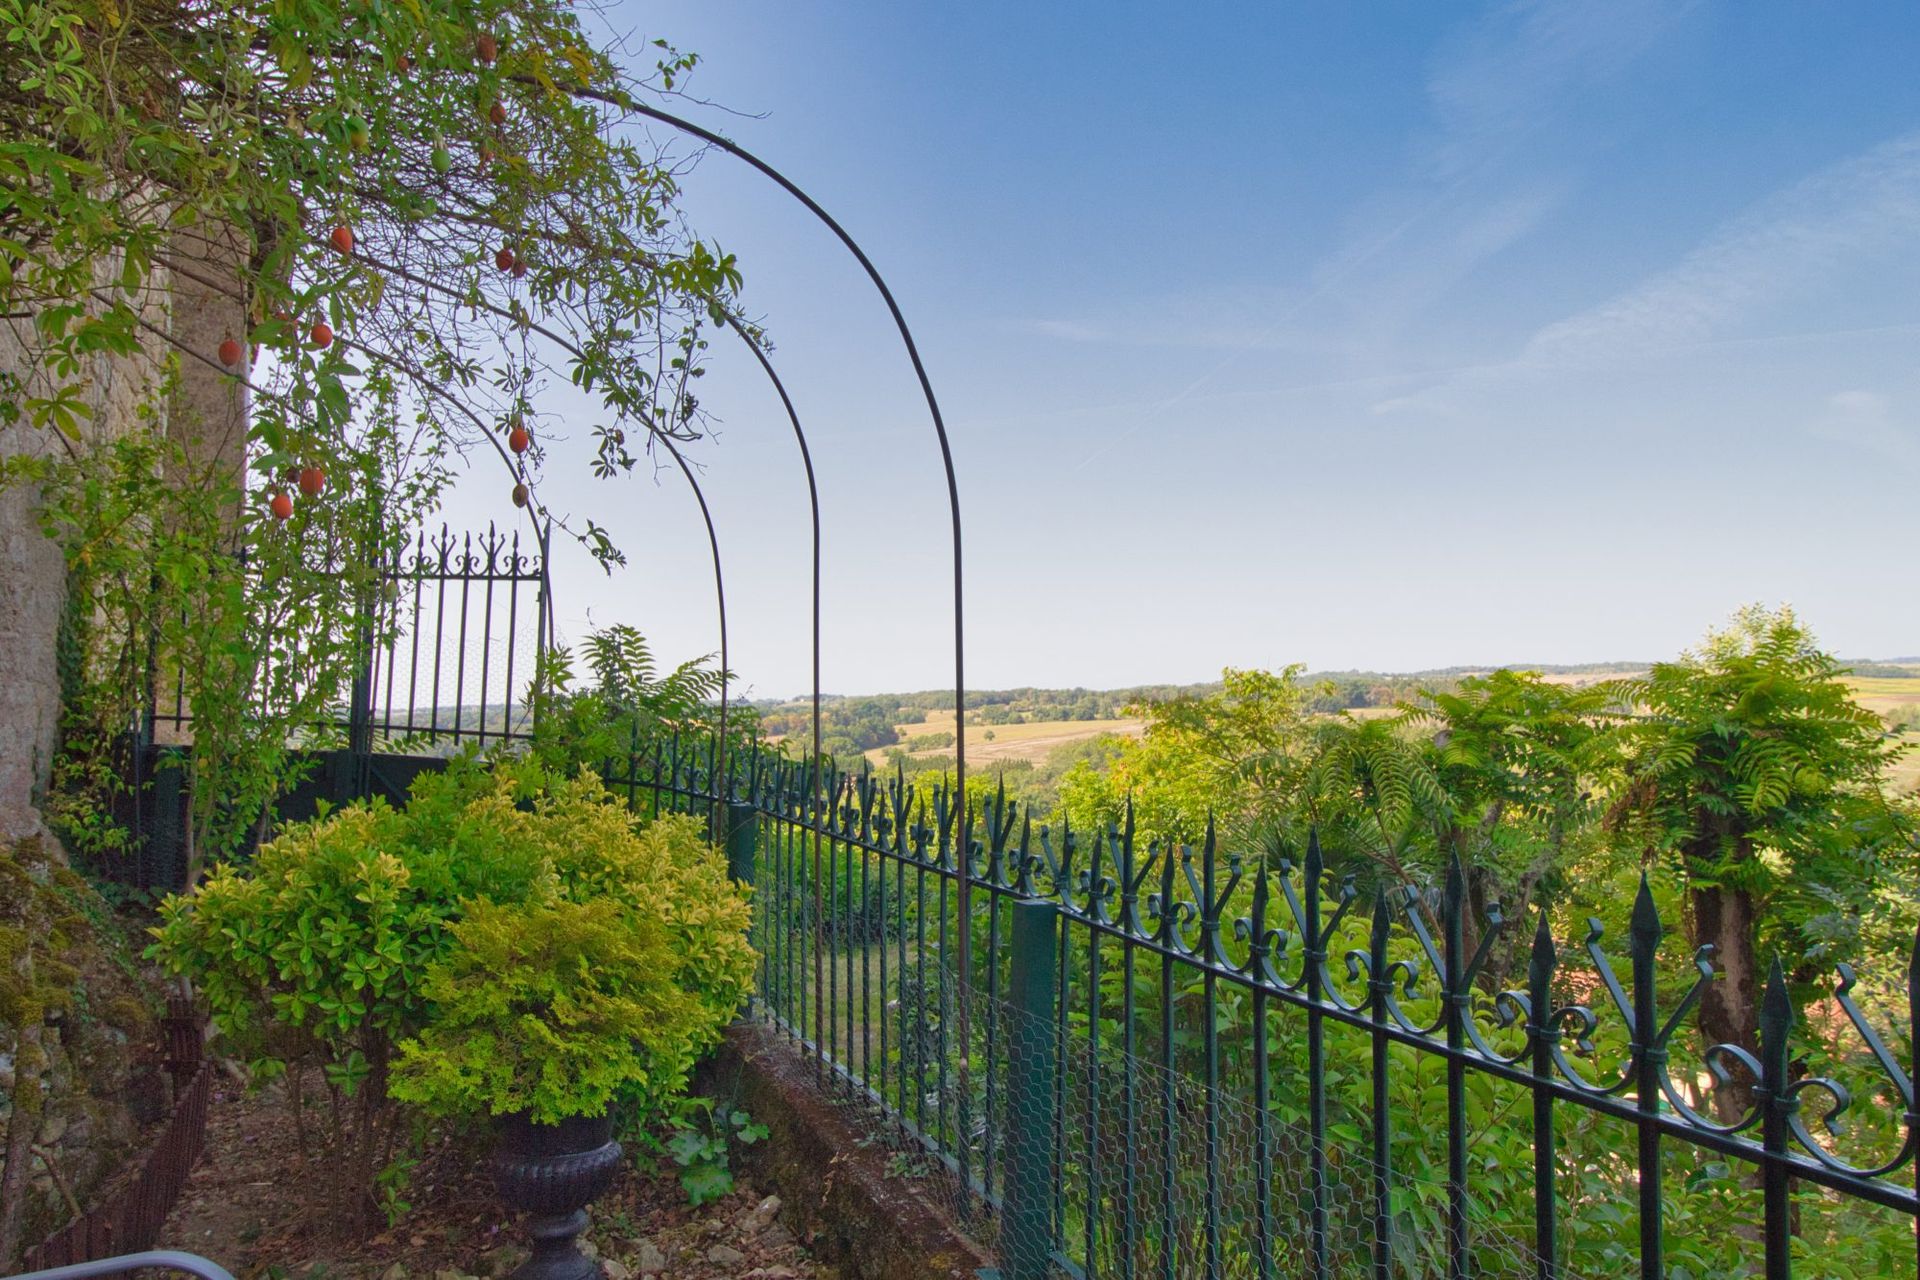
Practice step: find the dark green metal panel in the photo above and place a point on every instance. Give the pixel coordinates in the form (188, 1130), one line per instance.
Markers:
(1027, 1212)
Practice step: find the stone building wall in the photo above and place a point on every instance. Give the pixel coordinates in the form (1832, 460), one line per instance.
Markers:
(205, 410)
(85, 1076)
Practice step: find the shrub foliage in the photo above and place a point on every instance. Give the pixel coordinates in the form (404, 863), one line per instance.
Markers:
(508, 942)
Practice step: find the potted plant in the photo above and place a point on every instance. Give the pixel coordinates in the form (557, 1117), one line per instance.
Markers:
(597, 991)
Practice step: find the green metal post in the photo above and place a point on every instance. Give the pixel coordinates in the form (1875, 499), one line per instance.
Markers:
(743, 826)
(742, 829)
(1027, 1226)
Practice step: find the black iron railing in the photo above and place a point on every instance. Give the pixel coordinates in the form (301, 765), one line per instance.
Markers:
(447, 653)
(1265, 1070)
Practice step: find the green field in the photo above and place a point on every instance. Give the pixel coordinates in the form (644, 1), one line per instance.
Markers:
(1033, 741)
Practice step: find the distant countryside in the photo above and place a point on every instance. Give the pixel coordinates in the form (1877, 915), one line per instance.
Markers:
(1031, 737)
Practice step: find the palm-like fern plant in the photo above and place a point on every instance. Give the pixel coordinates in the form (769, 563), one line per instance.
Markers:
(1753, 771)
(618, 719)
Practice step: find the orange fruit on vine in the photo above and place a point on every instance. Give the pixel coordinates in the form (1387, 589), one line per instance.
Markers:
(504, 258)
(231, 351)
(518, 439)
(497, 113)
(520, 495)
(322, 335)
(342, 239)
(281, 506)
(486, 47)
(313, 481)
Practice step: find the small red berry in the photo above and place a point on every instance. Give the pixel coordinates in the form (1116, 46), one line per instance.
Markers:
(486, 47)
(504, 258)
(281, 506)
(497, 113)
(312, 481)
(231, 351)
(342, 239)
(322, 335)
(519, 267)
(518, 439)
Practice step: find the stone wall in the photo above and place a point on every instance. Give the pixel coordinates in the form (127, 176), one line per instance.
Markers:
(205, 410)
(77, 1084)
(80, 1069)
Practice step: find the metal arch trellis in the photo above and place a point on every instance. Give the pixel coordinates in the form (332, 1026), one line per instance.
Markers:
(814, 753)
(965, 965)
(720, 598)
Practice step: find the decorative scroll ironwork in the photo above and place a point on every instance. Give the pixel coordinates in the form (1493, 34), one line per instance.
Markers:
(447, 650)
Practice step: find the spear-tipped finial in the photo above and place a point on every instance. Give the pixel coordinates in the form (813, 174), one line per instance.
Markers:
(1775, 1004)
(1913, 977)
(1544, 958)
(1776, 1020)
(1456, 887)
(1382, 925)
(1645, 928)
(1314, 863)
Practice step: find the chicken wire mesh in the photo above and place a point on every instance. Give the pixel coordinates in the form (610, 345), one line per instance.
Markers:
(1146, 1170)
(1070, 1154)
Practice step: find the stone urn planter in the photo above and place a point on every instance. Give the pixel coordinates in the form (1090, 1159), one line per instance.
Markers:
(554, 1171)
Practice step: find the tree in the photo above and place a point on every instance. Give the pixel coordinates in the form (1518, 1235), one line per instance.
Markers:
(423, 215)
(1231, 756)
(1755, 774)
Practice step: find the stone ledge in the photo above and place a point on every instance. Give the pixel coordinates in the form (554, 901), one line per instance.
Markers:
(832, 1179)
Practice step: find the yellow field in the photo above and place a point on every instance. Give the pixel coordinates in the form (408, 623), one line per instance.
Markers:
(1011, 741)
(1885, 693)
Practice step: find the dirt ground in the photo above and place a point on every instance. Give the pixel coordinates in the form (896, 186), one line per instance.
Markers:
(255, 1205)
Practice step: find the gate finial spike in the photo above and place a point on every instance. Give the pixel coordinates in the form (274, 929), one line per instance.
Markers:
(1645, 928)
(1382, 927)
(1913, 980)
(1543, 959)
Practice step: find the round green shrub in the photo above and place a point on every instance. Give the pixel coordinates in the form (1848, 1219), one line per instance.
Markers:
(611, 977)
(509, 941)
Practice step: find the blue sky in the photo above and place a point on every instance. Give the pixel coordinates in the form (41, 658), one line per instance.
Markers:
(1386, 336)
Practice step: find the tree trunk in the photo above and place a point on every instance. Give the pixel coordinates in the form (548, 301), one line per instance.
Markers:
(1730, 1007)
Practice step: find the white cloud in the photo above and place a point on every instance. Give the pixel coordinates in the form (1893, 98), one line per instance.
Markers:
(1779, 250)
(1861, 206)
(1067, 331)
(1865, 420)
(1505, 78)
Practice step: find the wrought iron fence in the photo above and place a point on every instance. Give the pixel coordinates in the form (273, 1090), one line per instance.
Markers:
(1269, 1070)
(446, 657)
(448, 651)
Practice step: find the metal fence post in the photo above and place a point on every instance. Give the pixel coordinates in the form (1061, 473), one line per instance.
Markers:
(742, 830)
(167, 843)
(1027, 1211)
(360, 709)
